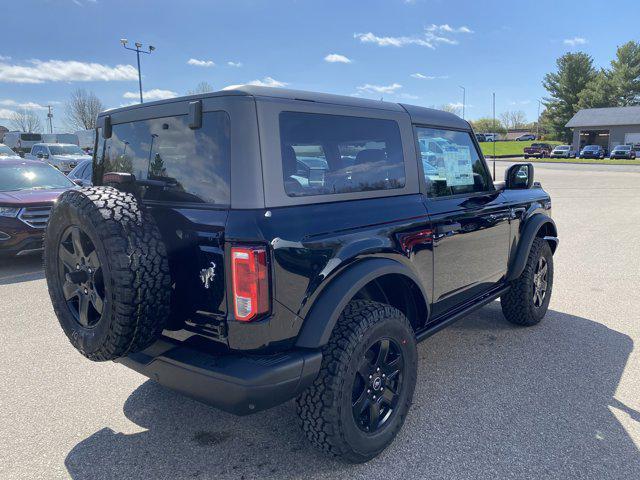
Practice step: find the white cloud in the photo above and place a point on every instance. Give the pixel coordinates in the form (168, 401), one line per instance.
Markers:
(201, 63)
(4, 58)
(265, 82)
(446, 28)
(422, 76)
(379, 88)
(409, 96)
(25, 105)
(520, 102)
(336, 58)
(235, 64)
(38, 71)
(432, 35)
(154, 94)
(6, 114)
(391, 41)
(457, 105)
(572, 42)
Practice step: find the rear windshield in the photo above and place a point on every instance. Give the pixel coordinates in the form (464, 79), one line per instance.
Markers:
(169, 160)
(562, 147)
(326, 154)
(32, 176)
(31, 137)
(623, 147)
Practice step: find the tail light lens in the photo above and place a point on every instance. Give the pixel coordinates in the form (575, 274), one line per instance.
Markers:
(250, 282)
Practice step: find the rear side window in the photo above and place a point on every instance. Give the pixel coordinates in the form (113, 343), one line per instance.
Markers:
(170, 161)
(326, 154)
(451, 164)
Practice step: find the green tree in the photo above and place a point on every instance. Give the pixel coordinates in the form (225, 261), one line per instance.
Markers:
(625, 74)
(485, 125)
(574, 72)
(599, 92)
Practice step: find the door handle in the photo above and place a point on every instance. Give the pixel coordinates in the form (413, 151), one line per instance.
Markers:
(448, 229)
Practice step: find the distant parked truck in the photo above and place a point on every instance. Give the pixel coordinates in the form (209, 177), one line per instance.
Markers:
(68, 138)
(540, 150)
(21, 142)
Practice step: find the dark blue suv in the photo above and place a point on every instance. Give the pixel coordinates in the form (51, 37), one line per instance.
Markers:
(251, 246)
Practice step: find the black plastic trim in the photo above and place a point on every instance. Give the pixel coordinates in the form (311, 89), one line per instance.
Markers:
(238, 384)
(321, 319)
(532, 226)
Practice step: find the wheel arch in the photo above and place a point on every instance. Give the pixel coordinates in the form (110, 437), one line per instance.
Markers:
(408, 295)
(538, 225)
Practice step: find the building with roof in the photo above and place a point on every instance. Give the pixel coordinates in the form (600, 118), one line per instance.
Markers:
(607, 127)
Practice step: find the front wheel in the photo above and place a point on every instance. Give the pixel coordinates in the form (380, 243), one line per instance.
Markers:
(527, 301)
(359, 402)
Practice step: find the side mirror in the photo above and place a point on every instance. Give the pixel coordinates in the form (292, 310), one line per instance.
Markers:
(40, 155)
(78, 182)
(45, 156)
(519, 176)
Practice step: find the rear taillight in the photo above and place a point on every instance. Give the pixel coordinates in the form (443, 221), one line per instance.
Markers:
(250, 282)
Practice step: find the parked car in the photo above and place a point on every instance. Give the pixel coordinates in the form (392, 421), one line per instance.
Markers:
(623, 151)
(480, 137)
(21, 142)
(81, 175)
(563, 151)
(219, 272)
(65, 157)
(593, 151)
(527, 137)
(28, 189)
(540, 150)
(7, 154)
(491, 137)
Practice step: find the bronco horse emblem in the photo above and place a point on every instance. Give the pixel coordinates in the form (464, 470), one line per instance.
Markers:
(207, 275)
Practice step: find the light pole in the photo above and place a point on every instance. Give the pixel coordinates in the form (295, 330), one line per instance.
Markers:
(138, 45)
(464, 99)
(50, 119)
(538, 121)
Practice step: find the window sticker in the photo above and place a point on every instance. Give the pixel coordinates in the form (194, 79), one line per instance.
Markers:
(458, 166)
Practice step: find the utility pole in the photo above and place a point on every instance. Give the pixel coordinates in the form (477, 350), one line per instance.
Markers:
(538, 122)
(138, 51)
(464, 99)
(494, 138)
(50, 119)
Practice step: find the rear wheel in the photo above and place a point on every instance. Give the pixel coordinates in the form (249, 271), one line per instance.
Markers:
(527, 301)
(363, 392)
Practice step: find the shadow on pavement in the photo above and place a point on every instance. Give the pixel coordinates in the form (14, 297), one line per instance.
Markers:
(20, 269)
(492, 401)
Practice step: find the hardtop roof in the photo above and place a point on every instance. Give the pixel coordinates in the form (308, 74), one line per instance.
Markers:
(420, 115)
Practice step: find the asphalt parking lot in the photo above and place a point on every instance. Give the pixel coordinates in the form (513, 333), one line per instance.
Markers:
(560, 400)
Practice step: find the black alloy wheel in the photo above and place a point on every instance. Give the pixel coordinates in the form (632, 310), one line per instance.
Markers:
(540, 282)
(81, 277)
(377, 385)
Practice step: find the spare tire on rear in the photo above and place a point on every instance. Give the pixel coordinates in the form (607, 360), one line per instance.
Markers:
(107, 272)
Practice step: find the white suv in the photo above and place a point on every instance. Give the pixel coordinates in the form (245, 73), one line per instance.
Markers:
(63, 156)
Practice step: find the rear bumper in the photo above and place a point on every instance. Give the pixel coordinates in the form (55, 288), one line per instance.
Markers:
(239, 384)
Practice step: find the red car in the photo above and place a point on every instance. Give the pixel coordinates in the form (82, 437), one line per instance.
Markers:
(540, 150)
(28, 190)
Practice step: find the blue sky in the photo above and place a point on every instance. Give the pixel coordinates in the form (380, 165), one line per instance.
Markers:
(417, 51)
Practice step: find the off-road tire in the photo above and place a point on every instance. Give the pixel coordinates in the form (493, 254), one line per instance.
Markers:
(518, 303)
(325, 409)
(133, 259)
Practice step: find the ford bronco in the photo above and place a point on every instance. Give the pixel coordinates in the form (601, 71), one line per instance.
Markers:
(256, 245)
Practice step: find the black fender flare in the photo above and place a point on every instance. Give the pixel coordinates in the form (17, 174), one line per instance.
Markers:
(324, 313)
(529, 233)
